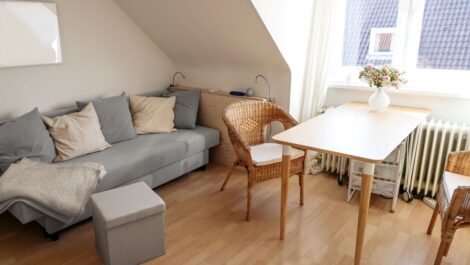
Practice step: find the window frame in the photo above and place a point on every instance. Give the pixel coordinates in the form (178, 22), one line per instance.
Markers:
(405, 43)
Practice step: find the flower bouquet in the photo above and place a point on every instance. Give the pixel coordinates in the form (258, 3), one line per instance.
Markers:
(380, 78)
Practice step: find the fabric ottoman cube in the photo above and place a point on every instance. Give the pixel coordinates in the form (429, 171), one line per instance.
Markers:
(129, 225)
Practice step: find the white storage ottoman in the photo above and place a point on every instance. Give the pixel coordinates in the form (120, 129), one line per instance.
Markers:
(129, 225)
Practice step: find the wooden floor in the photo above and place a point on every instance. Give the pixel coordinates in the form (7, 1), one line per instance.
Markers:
(205, 226)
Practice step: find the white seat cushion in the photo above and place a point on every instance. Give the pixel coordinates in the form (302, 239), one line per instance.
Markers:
(451, 181)
(271, 153)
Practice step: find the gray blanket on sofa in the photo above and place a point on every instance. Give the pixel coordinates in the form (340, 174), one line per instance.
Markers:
(60, 190)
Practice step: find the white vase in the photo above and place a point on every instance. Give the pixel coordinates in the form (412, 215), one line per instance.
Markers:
(379, 101)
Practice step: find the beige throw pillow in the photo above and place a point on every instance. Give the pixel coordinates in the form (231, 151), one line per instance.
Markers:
(76, 134)
(153, 114)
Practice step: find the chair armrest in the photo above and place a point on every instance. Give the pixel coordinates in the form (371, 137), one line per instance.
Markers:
(458, 212)
(459, 163)
(288, 121)
(284, 118)
(241, 147)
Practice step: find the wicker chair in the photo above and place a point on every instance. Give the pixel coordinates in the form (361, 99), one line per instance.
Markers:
(454, 206)
(247, 123)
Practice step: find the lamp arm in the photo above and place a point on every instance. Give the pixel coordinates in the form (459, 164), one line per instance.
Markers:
(267, 82)
(174, 76)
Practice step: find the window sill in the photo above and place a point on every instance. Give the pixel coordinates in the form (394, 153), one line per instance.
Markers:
(401, 91)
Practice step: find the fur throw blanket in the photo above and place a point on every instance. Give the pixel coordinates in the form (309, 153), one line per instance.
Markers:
(62, 188)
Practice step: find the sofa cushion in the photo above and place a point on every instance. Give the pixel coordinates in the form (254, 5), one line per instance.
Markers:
(271, 153)
(452, 181)
(186, 107)
(115, 118)
(153, 114)
(144, 154)
(26, 136)
(76, 134)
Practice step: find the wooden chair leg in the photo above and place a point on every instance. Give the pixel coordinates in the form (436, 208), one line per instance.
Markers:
(228, 176)
(248, 203)
(446, 251)
(433, 219)
(440, 253)
(301, 183)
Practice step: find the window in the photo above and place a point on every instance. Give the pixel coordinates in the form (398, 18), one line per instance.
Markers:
(381, 43)
(365, 19)
(445, 35)
(429, 39)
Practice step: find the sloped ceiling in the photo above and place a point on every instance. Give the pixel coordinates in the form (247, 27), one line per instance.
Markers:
(218, 44)
(207, 32)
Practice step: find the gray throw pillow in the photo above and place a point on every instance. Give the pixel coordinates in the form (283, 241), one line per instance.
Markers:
(26, 136)
(186, 107)
(115, 117)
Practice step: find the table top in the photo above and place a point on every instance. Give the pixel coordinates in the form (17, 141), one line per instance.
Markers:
(353, 131)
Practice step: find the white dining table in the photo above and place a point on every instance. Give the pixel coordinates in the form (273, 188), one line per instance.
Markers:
(352, 131)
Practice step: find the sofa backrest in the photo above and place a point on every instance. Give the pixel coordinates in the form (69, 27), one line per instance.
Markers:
(64, 111)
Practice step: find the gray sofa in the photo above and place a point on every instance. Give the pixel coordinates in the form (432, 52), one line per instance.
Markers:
(153, 158)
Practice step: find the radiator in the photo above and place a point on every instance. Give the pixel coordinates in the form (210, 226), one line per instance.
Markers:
(427, 152)
(426, 155)
(334, 164)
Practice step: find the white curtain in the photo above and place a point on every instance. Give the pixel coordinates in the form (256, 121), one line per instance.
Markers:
(325, 35)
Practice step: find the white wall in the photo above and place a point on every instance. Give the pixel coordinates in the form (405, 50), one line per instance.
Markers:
(446, 108)
(238, 78)
(228, 78)
(104, 53)
(289, 22)
(217, 44)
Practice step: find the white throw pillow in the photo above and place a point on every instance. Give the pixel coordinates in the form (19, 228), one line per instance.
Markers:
(153, 114)
(76, 134)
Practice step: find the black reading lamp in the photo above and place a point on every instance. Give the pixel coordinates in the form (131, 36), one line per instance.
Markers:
(174, 77)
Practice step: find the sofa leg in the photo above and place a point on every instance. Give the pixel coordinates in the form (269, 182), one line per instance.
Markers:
(55, 236)
(52, 237)
(202, 168)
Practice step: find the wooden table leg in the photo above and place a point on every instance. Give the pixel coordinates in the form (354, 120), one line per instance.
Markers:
(286, 157)
(366, 188)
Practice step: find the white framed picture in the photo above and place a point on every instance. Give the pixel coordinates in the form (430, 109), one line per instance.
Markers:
(29, 34)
